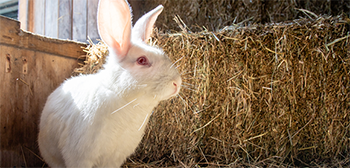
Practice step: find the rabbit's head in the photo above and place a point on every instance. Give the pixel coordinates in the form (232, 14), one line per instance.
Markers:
(138, 66)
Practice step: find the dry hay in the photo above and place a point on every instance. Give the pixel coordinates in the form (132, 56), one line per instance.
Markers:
(273, 95)
(94, 59)
(214, 14)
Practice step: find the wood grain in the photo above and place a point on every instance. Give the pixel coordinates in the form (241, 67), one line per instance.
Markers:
(79, 20)
(51, 18)
(32, 67)
(65, 19)
(92, 20)
(23, 7)
(11, 34)
(39, 17)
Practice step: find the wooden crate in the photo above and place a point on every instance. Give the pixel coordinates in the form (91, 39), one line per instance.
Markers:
(32, 66)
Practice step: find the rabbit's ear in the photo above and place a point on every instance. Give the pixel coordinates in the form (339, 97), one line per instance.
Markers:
(143, 27)
(114, 25)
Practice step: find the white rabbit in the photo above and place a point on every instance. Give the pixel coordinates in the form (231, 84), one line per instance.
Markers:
(98, 120)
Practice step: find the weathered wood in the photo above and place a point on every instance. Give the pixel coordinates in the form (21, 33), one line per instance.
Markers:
(23, 6)
(22, 98)
(39, 17)
(79, 20)
(92, 20)
(51, 18)
(32, 67)
(65, 19)
(11, 34)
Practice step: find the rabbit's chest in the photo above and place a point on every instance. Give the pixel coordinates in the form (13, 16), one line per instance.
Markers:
(121, 133)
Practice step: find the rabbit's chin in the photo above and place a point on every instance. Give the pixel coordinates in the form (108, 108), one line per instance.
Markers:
(169, 97)
(174, 89)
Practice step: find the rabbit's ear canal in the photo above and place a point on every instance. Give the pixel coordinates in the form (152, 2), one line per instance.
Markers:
(114, 25)
(143, 27)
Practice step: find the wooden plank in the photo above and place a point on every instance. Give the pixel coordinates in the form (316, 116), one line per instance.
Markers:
(39, 17)
(33, 66)
(60, 47)
(51, 18)
(65, 19)
(79, 20)
(92, 20)
(26, 15)
(11, 34)
(24, 89)
(30, 16)
(10, 30)
(13, 128)
(23, 13)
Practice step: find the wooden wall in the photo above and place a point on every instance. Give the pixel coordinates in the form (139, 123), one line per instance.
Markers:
(76, 19)
(31, 67)
(65, 19)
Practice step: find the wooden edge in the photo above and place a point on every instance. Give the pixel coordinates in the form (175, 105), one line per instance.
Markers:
(11, 34)
(23, 13)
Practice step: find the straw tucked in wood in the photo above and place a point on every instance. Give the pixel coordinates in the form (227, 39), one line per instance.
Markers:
(276, 95)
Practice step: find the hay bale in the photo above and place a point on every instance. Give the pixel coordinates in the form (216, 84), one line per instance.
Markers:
(274, 94)
(215, 14)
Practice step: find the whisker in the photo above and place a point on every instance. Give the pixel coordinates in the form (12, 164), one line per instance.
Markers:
(177, 66)
(124, 106)
(143, 122)
(183, 100)
(188, 84)
(186, 103)
(193, 78)
(186, 87)
(195, 71)
(176, 62)
(136, 105)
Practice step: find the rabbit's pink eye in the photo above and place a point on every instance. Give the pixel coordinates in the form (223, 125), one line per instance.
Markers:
(142, 60)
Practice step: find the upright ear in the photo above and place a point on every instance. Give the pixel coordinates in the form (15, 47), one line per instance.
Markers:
(143, 27)
(114, 25)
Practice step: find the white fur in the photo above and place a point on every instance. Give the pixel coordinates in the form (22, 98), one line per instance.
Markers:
(98, 120)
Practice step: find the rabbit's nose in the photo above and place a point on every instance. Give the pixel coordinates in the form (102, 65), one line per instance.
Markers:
(177, 84)
(177, 81)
